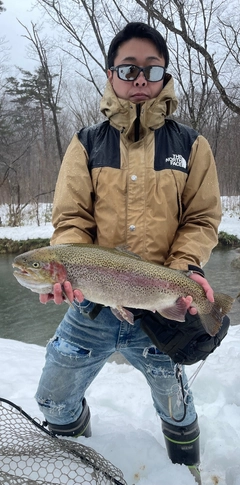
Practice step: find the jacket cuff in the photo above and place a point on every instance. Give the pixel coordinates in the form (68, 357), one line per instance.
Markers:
(196, 269)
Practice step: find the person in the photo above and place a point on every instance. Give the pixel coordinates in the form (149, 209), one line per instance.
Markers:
(138, 179)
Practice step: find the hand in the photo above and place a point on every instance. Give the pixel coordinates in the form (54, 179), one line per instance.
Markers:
(207, 288)
(58, 297)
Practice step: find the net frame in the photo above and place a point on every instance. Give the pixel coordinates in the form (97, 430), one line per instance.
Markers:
(32, 455)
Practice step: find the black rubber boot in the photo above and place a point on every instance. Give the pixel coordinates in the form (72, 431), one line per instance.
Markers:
(182, 443)
(80, 427)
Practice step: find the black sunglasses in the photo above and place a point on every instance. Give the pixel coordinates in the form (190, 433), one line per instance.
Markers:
(130, 72)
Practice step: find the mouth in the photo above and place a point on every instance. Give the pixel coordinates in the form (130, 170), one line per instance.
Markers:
(140, 96)
(20, 271)
(32, 281)
(21, 274)
(25, 274)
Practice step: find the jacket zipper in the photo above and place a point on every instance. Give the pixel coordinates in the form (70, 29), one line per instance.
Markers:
(137, 123)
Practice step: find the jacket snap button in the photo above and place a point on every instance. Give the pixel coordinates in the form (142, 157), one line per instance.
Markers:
(132, 227)
(134, 177)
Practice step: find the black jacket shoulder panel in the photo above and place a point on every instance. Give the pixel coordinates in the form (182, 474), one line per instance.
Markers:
(173, 144)
(102, 143)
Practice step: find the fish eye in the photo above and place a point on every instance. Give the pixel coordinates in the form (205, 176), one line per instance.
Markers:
(35, 265)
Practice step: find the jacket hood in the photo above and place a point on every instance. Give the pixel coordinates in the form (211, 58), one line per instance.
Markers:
(122, 113)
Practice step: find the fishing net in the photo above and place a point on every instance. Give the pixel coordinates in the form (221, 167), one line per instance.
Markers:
(30, 455)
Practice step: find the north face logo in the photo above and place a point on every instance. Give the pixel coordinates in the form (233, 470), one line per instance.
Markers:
(177, 161)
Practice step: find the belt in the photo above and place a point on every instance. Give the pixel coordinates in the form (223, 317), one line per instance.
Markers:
(137, 313)
(94, 312)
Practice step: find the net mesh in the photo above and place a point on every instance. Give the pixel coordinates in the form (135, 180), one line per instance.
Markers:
(30, 455)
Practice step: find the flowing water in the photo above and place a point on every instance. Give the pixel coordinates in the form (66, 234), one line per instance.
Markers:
(23, 318)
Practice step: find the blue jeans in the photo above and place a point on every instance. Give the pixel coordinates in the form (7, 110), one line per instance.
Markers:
(79, 350)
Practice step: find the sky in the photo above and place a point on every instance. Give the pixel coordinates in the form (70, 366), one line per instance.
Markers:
(13, 32)
(126, 429)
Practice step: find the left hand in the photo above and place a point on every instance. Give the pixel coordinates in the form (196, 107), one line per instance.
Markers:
(207, 288)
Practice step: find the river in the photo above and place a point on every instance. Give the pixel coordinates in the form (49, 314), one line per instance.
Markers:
(23, 318)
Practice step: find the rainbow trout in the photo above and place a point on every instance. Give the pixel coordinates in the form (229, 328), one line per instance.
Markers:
(119, 279)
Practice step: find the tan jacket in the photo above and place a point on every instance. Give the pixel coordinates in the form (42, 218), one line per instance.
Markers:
(164, 208)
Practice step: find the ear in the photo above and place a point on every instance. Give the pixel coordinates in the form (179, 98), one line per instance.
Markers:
(110, 75)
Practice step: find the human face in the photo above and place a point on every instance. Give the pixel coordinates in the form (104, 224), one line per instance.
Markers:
(142, 53)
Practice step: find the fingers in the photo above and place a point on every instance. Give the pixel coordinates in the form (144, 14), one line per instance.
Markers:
(78, 296)
(192, 310)
(57, 295)
(60, 293)
(72, 294)
(68, 292)
(45, 298)
(205, 285)
(188, 301)
(207, 288)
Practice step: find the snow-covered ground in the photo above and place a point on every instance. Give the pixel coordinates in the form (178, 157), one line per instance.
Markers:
(230, 221)
(125, 427)
(126, 430)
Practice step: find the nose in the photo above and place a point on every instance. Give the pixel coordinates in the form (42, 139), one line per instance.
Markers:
(141, 80)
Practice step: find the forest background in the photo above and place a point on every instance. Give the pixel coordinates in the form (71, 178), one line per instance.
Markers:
(40, 109)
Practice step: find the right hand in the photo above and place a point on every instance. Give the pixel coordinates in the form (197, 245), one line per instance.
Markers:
(58, 297)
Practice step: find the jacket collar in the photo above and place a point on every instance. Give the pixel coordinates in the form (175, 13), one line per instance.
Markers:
(152, 113)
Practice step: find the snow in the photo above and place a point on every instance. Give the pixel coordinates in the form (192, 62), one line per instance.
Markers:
(30, 229)
(126, 429)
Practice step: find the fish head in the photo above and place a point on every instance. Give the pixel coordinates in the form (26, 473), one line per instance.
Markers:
(39, 269)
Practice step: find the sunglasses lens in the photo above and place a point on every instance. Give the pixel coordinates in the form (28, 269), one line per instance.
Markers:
(154, 73)
(128, 73)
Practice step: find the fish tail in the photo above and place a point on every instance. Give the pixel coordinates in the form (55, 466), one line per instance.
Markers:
(212, 321)
(224, 302)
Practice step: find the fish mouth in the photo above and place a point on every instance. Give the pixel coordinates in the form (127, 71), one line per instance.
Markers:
(29, 279)
(19, 271)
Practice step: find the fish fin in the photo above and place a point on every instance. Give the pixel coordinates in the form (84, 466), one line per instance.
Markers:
(175, 312)
(212, 321)
(124, 249)
(123, 314)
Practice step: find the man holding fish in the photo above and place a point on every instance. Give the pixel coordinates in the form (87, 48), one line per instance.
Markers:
(138, 180)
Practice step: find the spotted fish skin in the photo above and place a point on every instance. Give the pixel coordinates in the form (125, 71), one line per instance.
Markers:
(120, 280)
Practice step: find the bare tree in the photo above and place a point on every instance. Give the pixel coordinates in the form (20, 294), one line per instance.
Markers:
(52, 90)
(4, 48)
(83, 104)
(88, 54)
(89, 26)
(17, 134)
(204, 51)
(205, 37)
(2, 9)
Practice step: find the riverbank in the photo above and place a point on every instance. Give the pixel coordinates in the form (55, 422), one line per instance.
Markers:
(31, 233)
(12, 246)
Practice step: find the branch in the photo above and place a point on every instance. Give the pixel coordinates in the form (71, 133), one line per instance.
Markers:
(68, 26)
(192, 43)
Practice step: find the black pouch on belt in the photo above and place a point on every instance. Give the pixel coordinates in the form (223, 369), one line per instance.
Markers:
(185, 342)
